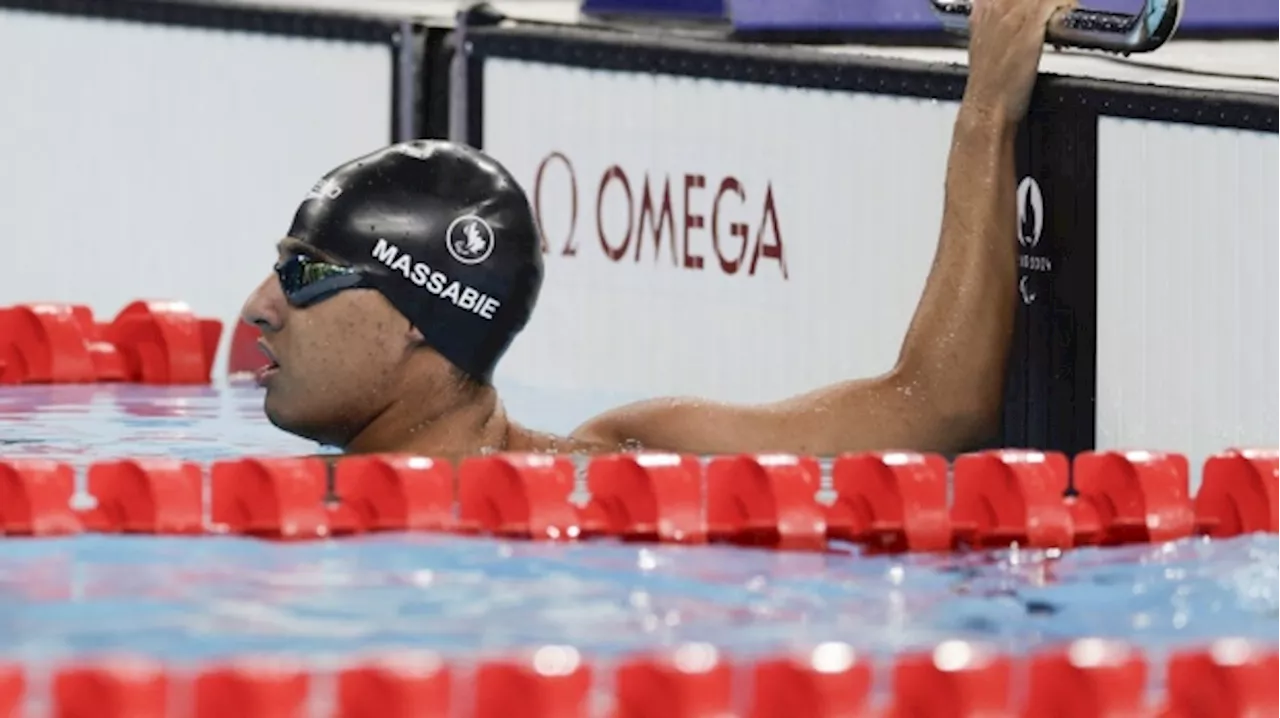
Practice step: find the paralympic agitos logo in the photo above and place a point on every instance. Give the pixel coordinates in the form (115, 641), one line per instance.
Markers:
(688, 220)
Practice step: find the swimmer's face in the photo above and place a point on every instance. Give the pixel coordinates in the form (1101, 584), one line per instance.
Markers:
(337, 363)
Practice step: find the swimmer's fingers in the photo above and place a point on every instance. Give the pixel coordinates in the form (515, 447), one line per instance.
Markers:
(1016, 18)
(1065, 23)
(1056, 12)
(1006, 40)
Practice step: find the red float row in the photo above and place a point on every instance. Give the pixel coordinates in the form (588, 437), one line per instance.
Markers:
(889, 502)
(1084, 679)
(147, 343)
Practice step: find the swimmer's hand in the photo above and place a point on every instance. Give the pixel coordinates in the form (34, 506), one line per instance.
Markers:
(1006, 39)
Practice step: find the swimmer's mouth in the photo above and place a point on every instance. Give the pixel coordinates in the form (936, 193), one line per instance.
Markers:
(271, 357)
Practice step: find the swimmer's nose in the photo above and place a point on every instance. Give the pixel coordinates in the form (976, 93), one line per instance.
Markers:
(265, 306)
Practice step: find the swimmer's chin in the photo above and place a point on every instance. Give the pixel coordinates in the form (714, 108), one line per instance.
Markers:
(282, 421)
(277, 421)
(323, 434)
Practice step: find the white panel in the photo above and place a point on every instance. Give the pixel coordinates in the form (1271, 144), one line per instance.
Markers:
(1187, 302)
(857, 188)
(151, 162)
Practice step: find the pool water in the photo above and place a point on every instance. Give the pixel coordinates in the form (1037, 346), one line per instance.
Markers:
(204, 597)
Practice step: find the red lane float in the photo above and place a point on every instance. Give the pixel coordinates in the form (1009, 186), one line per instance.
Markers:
(827, 682)
(147, 342)
(13, 688)
(35, 498)
(518, 496)
(404, 685)
(766, 500)
(1009, 496)
(1139, 496)
(891, 501)
(108, 363)
(252, 689)
(164, 343)
(397, 493)
(1087, 679)
(550, 682)
(957, 679)
(276, 498)
(1238, 493)
(690, 681)
(124, 687)
(45, 344)
(151, 496)
(1231, 677)
(648, 497)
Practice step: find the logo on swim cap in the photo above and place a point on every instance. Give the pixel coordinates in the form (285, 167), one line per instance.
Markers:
(325, 189)
(470, 239)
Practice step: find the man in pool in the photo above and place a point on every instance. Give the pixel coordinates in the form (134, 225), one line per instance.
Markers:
(408, 272)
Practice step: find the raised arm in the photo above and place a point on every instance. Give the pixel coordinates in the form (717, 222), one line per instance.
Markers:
(945, 392)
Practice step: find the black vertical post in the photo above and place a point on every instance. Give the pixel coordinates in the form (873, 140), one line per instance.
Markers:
(1073, 214)
(1039, 223)
(1049, 402)
(1050, 387)
(437, 56)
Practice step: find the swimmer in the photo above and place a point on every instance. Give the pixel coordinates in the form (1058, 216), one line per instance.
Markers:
(407, 273)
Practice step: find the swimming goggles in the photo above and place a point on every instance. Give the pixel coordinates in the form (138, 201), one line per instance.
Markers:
(306, 281)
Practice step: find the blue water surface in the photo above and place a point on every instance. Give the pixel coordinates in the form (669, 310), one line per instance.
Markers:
(207, 597)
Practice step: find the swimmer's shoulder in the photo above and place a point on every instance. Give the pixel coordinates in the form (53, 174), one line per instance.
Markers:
(622, 429)
(694, 426)
(521, 439)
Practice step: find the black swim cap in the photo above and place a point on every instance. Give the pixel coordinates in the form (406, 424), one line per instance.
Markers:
(445, 233)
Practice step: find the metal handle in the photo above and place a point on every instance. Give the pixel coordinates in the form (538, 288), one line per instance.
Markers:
(1148, 29)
